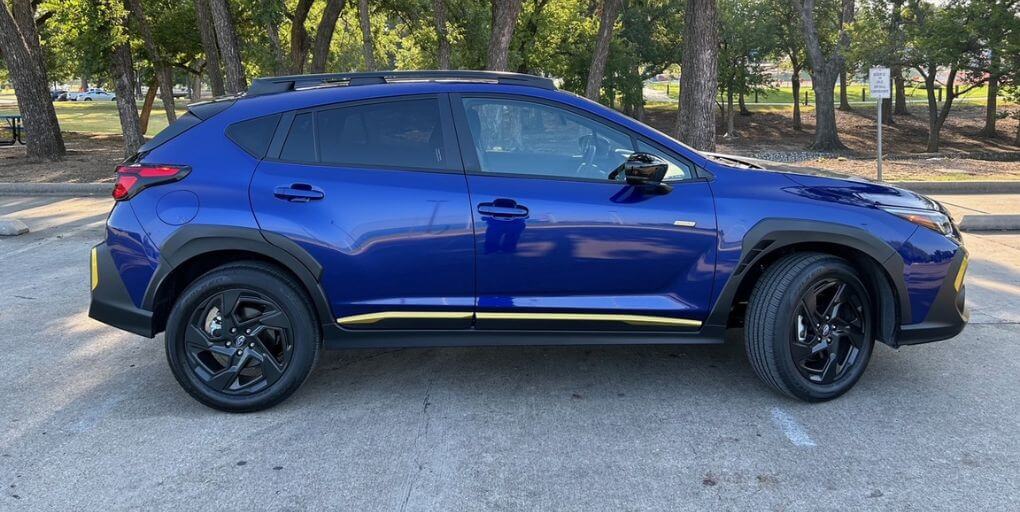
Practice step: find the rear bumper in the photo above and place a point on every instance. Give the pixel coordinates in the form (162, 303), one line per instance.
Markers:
(948, 314)
(110, 302)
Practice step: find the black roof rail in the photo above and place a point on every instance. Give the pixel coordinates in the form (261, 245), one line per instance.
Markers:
(273, 85)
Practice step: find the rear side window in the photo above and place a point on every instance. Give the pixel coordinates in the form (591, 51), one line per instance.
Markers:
(181, 125)
(395, 134)
(300, 144)
(254, 135)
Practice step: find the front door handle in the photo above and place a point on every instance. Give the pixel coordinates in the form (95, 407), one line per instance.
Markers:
(503, 209)
(299, 193)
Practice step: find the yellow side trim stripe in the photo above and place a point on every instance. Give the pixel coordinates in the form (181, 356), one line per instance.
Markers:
(371, 318)
(95, 268)
(592, 317)
(963, 270)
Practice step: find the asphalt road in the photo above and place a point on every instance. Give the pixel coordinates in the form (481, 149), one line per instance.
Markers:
(92, 419)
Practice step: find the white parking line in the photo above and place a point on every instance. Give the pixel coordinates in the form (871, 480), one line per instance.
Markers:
(790, 428)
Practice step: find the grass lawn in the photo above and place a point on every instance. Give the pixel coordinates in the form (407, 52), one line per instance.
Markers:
(92, 116)
(785, 94)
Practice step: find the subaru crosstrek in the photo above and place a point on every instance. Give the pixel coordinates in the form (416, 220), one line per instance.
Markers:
(474, 208)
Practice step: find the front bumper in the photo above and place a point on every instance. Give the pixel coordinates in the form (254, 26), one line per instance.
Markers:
(110, 302)
(948, 314)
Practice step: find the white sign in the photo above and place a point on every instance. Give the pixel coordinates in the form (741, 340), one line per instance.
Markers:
(878, 81)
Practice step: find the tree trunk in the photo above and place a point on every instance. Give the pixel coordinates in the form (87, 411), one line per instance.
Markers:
(22, 56)
(442, 34)
(150, 97)
(122, 70)
(208, 35)
(731, 132)
(166, 77)
(900, 103)
(743, 106)
(226, 37)
(824, 72)
(279, 61)
(299, 36)
(504, 19)
(695, 123)
(367, 45)
(990, 109)
(844, 103)
(610, 10)
(212, 53)
(795, 85)
(324, 34)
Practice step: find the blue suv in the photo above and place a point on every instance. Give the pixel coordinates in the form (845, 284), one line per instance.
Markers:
(454, 208)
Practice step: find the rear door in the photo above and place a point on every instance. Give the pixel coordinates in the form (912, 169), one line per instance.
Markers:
(375, 191)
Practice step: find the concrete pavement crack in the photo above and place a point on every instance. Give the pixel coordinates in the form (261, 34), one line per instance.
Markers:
(419, 440)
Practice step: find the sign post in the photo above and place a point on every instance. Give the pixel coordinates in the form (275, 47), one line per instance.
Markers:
(880, 85)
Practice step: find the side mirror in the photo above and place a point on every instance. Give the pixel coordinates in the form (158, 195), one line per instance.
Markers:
(643, 169)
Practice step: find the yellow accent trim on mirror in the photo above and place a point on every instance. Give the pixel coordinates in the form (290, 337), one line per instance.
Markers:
(963, 270)
(589, 317)
(95, 268)
(371, 318)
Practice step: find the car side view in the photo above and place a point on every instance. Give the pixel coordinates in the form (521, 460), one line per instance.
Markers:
(455, 208)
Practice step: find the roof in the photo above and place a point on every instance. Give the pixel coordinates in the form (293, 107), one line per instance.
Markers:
(273, 85)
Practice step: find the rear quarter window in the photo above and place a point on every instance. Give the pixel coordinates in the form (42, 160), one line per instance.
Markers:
(254, 135)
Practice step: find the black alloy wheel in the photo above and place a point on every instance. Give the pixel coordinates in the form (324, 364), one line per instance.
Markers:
(828, 330)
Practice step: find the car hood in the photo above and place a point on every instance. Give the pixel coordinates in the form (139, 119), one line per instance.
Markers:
(832, 186)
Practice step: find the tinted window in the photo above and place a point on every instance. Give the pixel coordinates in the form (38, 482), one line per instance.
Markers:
(678, 169)
(397, 134)
(521, 137)
(300, 144)
(254, 135)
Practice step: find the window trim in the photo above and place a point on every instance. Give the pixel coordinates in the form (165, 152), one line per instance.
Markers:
(473, 167)
(451, 165)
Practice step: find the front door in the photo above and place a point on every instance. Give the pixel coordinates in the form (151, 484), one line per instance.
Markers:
(376, 193)
(561, 246)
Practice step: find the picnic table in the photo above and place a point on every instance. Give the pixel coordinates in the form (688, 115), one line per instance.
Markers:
(13, 123)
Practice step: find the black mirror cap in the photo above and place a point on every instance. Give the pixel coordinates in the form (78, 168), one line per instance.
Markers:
(645, 169)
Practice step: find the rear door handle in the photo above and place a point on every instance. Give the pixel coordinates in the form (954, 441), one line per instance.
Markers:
(299, 193)
(503, 208)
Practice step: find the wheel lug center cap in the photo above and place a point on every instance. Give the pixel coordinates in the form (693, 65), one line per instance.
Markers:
(240, 340)
(826, 329)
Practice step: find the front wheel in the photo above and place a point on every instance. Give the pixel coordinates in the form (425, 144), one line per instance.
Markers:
(242, 337)
(809, 330)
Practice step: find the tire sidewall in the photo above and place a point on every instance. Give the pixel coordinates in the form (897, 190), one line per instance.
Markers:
(797, 383)
(304, 336)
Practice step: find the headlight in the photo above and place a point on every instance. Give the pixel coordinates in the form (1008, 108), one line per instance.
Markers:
(931, 219)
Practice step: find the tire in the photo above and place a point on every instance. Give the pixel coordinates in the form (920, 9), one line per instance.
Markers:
(804, 359)
(87, 99)
(272, 349)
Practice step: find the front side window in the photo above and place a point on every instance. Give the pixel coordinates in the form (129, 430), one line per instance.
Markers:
(523, 137)
(678, 169)
(395, 134)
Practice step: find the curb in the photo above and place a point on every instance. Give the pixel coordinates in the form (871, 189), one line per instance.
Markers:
(990, 223)
(959, 187)
(56, 189)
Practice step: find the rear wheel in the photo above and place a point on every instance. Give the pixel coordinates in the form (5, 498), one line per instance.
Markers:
(242, 337)
(808, 329)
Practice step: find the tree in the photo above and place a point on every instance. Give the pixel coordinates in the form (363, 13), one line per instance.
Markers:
(442, 34)
(23, 57)
(790, 43)
(324, 34)
(996, 27)
(825, 70)
(937, 39)
(163, 71)
(695, 123)
(504, 19)
(206, 32)
(299, 36)
(607, 20)
(367, 47)
(122, 69)
(747, 35)
(226, 37)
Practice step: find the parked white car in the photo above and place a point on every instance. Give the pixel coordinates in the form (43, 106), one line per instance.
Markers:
(95, 94)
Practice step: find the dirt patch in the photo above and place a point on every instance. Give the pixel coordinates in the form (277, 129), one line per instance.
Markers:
(90, 159)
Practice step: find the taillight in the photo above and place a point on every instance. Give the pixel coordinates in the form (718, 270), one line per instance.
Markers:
(133, 178)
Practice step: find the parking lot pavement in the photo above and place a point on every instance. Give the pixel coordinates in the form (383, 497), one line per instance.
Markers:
(92, 419)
